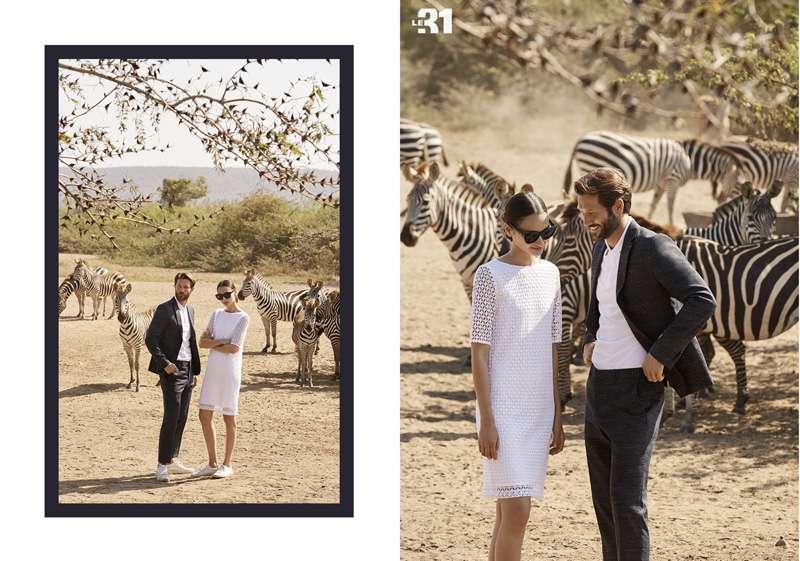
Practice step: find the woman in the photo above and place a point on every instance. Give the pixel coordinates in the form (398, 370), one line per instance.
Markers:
(224, 337)
(515, 324)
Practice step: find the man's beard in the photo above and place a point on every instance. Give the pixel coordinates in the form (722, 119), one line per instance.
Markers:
(607, 227)
(181, 297)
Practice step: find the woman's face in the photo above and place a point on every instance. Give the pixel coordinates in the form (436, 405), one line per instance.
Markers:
(227, 296)
(531, 223)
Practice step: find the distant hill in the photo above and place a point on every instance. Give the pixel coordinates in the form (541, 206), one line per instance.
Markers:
(235, 183)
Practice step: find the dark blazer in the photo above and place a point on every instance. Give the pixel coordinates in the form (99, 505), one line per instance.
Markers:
(652, 271)
(164, 337)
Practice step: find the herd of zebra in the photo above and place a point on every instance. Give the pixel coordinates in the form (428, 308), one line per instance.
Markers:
(312, 311)
(752, 273)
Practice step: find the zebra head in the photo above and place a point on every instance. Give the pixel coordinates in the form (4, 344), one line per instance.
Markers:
(571, 248)
(250, 283)
(122, 305)
(423, 202)
(309, 307)
(761, 215)
(81, 271)
(315, 291)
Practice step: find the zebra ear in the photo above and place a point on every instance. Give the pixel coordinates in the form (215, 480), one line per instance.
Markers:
(310, 283)
(775, 189)
(746, 189)
(527, 187)
(434, 173)
(501, 190)
(408, 172)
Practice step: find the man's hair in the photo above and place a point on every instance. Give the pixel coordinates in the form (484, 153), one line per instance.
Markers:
(609, 185)
(185, 276)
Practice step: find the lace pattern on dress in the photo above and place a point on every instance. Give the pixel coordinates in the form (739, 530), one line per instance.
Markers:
(483, 306)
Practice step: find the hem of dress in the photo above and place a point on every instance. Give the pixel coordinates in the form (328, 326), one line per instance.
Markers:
(217, 409)
(532, 494)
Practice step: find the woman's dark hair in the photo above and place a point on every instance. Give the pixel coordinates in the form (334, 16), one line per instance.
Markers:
(609, 185)
(227, 283)
(521, 205)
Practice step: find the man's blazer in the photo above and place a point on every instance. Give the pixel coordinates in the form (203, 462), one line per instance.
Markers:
(164, 337)
(652, 271)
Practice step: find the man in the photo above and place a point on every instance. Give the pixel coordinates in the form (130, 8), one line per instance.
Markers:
(634, 340)
(172, 342)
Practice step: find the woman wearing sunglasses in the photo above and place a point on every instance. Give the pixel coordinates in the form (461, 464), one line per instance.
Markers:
(515, 324)
(224, 337)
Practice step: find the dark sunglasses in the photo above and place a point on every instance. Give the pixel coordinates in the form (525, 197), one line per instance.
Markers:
(532, 235)
(224, 295)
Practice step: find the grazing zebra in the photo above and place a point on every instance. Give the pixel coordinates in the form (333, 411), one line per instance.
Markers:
(273, 305)
(328, 322)
(712, 163)
(762, 164)
(419, 143)
(67, 287)
(132, 327)
(457, 214)
(96, 285)
(304, 336)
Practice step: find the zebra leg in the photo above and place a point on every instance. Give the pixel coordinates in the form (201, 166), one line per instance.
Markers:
(707, 346)
(687, 425)
(131, 362)
(81, 296)
(669, 405)
(736, 350)
(335, 348)
(95, 305)
(274, 326)
(136, 365)
(267, 322)
(657, 194)
(310, 358)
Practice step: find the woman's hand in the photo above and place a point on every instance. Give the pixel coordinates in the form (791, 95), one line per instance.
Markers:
(557, 438)
(488, 440)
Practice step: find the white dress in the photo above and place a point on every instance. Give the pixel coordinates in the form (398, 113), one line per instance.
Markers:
(220, 390)
(516, 310)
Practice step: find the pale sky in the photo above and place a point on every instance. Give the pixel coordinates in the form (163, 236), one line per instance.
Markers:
(273, 78)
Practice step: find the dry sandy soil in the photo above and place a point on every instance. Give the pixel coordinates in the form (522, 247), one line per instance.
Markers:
(727, 492)
(287, 448)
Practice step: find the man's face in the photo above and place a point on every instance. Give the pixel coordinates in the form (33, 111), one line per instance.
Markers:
(600, 222)
(183, 288)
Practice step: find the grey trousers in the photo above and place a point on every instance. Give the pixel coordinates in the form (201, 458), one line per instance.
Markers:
(623, 411)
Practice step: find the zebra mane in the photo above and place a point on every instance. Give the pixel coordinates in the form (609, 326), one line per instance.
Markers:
(253, 273)
(570, 210)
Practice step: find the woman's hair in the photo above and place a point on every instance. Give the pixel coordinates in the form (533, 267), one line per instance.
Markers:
(227, 283)
(521, 205)
(609, 185)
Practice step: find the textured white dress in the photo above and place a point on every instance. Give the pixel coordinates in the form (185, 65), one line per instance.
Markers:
(220, 390)
(516, 310)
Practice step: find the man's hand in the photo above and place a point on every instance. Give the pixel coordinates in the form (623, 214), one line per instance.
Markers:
(588, 349)
(653, 370)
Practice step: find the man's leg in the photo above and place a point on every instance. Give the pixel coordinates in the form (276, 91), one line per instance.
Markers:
(183, 388)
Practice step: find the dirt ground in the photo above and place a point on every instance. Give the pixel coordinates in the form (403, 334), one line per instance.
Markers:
(287, 448)
(728, 491)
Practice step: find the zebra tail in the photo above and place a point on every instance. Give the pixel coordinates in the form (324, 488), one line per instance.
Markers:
(444, 158)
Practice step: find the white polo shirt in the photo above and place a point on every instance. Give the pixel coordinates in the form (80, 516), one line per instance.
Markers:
(186, 352)
(616, 346)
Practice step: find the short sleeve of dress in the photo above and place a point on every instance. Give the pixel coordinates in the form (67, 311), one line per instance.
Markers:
(241, 331)
(210, 325)
(556, 326)
(483, 304)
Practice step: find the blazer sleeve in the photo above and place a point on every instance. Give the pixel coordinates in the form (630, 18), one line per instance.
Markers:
(685, 285)
(153, 338)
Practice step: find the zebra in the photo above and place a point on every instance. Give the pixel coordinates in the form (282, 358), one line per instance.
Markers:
(658, 164)
(304, 336)
(762, 163)
(748, 218)
(67, 287)
(462, 219)
(96, 285)
(273, 305)
(420, 142)
(132, 327)
(328, 322)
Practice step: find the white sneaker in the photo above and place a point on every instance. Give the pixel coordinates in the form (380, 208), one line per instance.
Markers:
(162, 474)
(177, 467)
(208, 470)
(222, 471)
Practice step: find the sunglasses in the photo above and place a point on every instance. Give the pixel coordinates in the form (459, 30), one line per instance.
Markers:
(532, 235)
(224, 295)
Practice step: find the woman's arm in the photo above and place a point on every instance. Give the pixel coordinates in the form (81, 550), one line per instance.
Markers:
(488, 439)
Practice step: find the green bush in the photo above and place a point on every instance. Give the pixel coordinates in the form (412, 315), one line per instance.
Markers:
(278, 236)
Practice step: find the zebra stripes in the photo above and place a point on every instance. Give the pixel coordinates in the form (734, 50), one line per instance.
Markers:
(764, 163)
(273, 305)
(304, 336)
(420, 143)
(329, 323)
(132, 328)
(648, 164)
(457, 214)
(67, 287)
(96, 285)
(712, 163)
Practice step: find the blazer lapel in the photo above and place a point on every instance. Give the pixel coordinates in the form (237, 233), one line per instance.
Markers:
(622, 271)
